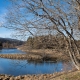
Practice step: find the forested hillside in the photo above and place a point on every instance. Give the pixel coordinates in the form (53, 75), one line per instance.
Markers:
(9, 43)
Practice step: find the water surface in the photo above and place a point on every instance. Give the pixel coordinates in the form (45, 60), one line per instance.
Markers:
(10, 51)
(23, 67)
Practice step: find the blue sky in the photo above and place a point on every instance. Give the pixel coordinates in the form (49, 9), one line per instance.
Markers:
(5, 33)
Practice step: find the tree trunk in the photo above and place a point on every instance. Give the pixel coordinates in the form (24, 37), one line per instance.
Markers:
(72, 53)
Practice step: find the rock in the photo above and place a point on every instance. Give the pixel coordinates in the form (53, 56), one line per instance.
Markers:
(17, 78)
(22, 77)
(6, 78)
(11, 78)
(41, 77)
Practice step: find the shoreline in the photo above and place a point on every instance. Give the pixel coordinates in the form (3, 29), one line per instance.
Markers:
(54, 54)
(36, 55)
(39, 55)
(53, 76)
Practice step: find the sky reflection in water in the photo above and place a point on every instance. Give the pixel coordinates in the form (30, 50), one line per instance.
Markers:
(23, 67)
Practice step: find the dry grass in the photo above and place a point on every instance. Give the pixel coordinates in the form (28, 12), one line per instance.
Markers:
(68, 76)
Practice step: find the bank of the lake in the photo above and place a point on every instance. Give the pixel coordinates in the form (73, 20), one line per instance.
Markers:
(70, 75)
(36, 55)
(51, 54)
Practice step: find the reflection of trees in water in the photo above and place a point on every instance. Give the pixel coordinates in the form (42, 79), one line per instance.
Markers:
(67, 66)
(34, 62)
(17, 65)
(39, 62)
(39, 66)
(20, 64)
(0, 49)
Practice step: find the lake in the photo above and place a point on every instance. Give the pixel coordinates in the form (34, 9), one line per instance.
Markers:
(23, 67)
(10, 51)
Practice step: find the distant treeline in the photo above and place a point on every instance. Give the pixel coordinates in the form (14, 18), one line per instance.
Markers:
(9, 43)
(46, 42)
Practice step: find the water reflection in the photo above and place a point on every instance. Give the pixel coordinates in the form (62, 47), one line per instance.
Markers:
(10, 51)
(67, 66)
(0, 50)
(22, 67)
(38, 62)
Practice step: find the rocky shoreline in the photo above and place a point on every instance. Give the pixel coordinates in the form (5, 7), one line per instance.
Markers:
(37, 77)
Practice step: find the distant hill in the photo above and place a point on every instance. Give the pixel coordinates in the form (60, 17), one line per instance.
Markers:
(10, 43)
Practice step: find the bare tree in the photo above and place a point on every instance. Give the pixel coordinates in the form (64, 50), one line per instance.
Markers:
(43, 17)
